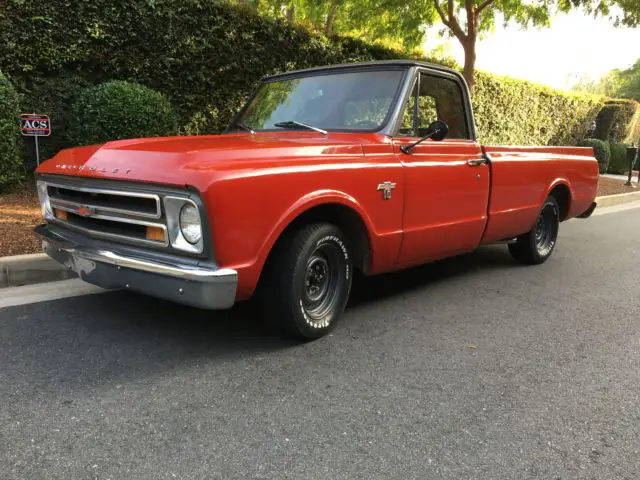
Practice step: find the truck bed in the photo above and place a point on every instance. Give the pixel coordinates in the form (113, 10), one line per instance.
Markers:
(522, 177)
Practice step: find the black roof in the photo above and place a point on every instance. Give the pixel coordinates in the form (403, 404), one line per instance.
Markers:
(377, 63)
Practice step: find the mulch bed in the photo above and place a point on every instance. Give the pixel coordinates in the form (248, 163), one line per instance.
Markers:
(613, 186)
(20, 213)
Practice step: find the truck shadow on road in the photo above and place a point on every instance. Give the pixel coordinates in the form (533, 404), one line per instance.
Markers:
(109, 338)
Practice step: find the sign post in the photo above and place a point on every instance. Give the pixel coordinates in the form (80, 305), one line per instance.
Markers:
(35, 125)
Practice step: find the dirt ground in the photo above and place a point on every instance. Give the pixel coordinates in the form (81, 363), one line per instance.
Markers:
(613, 186)
(20, 213)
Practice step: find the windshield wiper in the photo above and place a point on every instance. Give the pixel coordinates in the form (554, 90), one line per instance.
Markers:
(243, 127)
(293, 124)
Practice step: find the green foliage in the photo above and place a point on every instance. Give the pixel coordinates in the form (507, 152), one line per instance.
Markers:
(514, 112)
(207, 57)
(117, 110)
(619, 120)
(600, 150)
(51, 96)
(616, 83)
(619, 162)
(392, 23)
(11, 170)
(622, 12)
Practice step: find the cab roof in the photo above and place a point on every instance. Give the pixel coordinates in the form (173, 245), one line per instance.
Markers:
(364, 65)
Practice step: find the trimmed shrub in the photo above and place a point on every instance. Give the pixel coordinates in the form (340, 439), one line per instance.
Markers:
(516, 112)
(11, 170)
(600, 150)
(52, 96)
(206, 57)
(619, 162)
(117, 110)
(619, 120)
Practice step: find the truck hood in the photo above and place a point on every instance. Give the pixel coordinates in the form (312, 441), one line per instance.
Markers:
(183, 160)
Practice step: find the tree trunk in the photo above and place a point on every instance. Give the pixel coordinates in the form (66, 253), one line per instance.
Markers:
(328, 28)
(469, 61)
(291, 12)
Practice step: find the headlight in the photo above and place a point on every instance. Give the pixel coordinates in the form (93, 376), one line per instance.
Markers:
(190, 224)
(184, 224)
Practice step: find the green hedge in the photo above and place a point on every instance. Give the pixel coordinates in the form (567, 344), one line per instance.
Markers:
(206, 57)
(515, 112)
(601, 151)
(117, 110)
(11, 170)
(619, 162)
(619, 120)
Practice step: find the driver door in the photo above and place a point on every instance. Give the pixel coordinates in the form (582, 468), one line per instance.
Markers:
(447, 182)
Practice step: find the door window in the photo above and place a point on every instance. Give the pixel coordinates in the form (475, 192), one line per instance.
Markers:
(437, 98)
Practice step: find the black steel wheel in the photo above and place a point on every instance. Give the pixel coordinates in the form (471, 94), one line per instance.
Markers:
(307, 281)
(536, 246)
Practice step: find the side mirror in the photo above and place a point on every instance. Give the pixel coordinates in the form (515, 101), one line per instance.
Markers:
(436, 131)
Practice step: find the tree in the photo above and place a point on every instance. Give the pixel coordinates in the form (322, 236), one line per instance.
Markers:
(394, 23)
(616, 83)
(466, 19)
(401, 23)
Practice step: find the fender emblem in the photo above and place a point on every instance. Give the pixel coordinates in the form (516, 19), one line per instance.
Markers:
(386, 188)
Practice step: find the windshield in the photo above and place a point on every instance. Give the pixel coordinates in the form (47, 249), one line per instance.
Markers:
(339, 101)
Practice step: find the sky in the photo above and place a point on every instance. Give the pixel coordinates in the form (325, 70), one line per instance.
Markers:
(575, 45)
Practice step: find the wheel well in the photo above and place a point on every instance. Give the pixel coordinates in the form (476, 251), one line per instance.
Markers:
(345, 218)
(562, 194)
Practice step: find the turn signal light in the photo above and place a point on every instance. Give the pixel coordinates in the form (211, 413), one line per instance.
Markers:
(155, 233)
(61, 214)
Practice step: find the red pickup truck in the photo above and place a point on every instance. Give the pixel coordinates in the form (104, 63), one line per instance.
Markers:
(372, 167)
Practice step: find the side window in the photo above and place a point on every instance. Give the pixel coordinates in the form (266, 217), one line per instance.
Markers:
(438, 99)
(406, 127)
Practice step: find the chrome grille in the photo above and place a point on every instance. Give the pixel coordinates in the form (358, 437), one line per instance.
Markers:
(105, 213)
(144, 205)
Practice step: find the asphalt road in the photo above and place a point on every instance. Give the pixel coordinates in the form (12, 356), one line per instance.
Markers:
(469, 368)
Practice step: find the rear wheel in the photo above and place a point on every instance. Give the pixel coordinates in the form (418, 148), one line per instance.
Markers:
(308, 280)
(536, 246)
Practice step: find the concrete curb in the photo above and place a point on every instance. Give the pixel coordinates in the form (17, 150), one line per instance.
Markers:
(39, 268)
(611, 200)
(29, 269)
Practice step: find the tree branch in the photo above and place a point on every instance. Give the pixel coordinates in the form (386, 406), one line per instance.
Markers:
(453, 22)
(483, 5)
(471, 19)
(443, 17)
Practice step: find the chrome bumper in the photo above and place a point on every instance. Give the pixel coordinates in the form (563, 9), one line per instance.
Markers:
(200, 286)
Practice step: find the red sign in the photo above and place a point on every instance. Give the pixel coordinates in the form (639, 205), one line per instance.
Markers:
(34, 125)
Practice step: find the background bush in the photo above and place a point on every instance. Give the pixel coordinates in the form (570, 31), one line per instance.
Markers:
(11, 169)
(618, 162)
(206, 57)
(619, 120)
(116, 110)
(515, 112)
(601, 152)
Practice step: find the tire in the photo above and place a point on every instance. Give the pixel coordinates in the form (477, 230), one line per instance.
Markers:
(307, 281)
(536, 246)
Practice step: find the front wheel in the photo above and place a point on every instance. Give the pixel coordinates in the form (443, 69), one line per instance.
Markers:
(308, 280)
(536, 246)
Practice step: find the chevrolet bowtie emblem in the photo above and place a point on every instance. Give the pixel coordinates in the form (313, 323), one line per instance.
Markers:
(386, 188)
(84, 211)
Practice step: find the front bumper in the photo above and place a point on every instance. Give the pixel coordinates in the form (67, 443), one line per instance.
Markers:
(200, 284)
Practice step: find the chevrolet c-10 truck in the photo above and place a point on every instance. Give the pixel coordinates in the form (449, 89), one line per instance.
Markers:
(371, 167)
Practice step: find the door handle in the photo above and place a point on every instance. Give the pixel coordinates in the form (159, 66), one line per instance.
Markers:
(477, 162)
